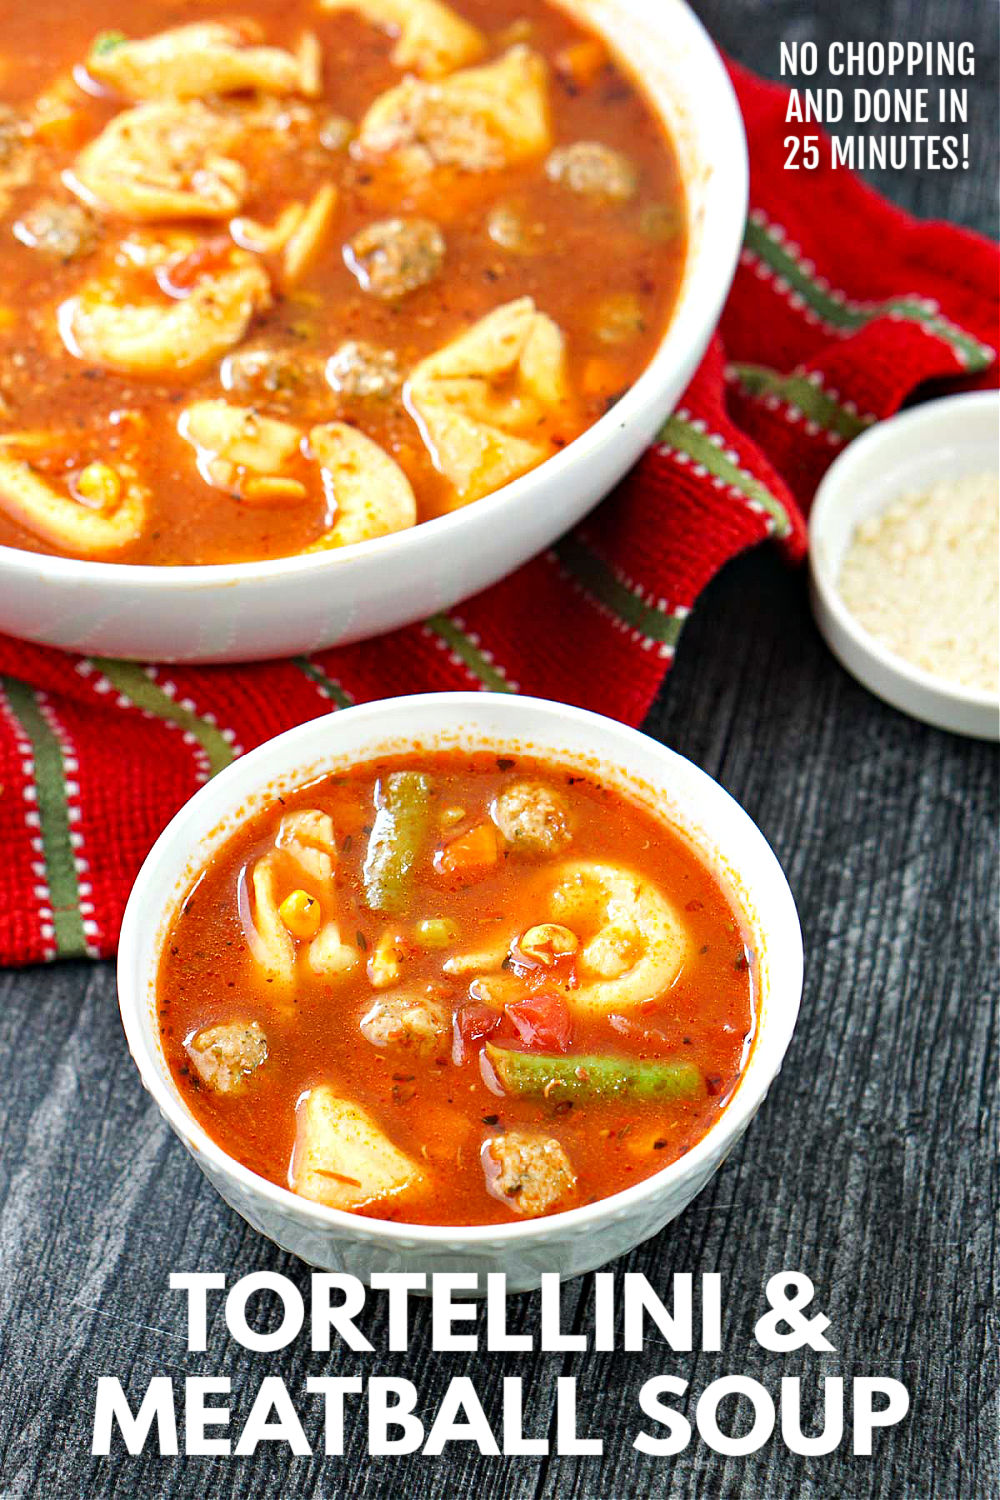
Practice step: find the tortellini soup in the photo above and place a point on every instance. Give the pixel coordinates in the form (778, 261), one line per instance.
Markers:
(283, 279)
(456, 989)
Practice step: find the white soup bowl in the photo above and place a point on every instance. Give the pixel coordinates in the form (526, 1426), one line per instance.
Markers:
(671, 787)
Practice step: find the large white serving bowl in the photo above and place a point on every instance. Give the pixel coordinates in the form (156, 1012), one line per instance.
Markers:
(251, 611)
(569, 1243)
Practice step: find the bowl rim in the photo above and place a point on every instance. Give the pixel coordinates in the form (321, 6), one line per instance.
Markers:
(707, 279)
(904, 426)
(148, 902)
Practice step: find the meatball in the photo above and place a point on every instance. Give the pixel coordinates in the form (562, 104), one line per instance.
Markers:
(278, 376)
(527, 1171)
(224, 1056)
(618, 317)
(61, 231)
(533, 818)
(362, 370)
(403, 1019)
(508, 227)
(394, 256)
(594, 170)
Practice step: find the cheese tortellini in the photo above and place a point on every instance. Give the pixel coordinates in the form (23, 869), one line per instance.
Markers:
(479, 119)
(203, 58)
(342, 1157)
(242, 452)
(304, 851)
(252, 455)
(433, 40)
(94, 513)
(164, 161)
(160, 334)
(633, 941)
(630, 941)
(372, 494)
(482, 399)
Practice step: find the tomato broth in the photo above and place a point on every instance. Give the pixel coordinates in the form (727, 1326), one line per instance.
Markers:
(457, 989)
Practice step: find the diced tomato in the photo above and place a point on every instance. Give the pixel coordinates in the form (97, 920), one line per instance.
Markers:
(541, 1021)
(561, 971)
(472, 1023)
(177, 278)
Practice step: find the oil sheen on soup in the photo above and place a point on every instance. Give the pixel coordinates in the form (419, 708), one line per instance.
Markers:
(282, 279)
(454, 989)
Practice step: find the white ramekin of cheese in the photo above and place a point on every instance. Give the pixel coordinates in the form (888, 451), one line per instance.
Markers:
(904, 562)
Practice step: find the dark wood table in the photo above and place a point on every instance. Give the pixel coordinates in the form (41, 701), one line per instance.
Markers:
(869, 1167)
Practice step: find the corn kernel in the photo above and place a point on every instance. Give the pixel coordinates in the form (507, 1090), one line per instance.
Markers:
(8, 317)
(274, 489)
(436, 932)
(547, 942)
(99, 485)
(301, 914)
(451, 816)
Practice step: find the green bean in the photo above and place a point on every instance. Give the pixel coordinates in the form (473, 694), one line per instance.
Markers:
(401, 826)
(594, 1077)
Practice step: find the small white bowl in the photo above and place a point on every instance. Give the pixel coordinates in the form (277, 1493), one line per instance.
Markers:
(252, 611)
(569, 1243)
(943, 439)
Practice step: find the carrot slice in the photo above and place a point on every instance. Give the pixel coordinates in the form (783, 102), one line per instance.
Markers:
(581, 62)
(469, 856)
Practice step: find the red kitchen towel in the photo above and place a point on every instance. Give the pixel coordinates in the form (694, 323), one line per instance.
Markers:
(842, 307)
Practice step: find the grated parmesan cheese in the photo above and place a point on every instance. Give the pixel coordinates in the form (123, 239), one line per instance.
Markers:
(923, 578)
